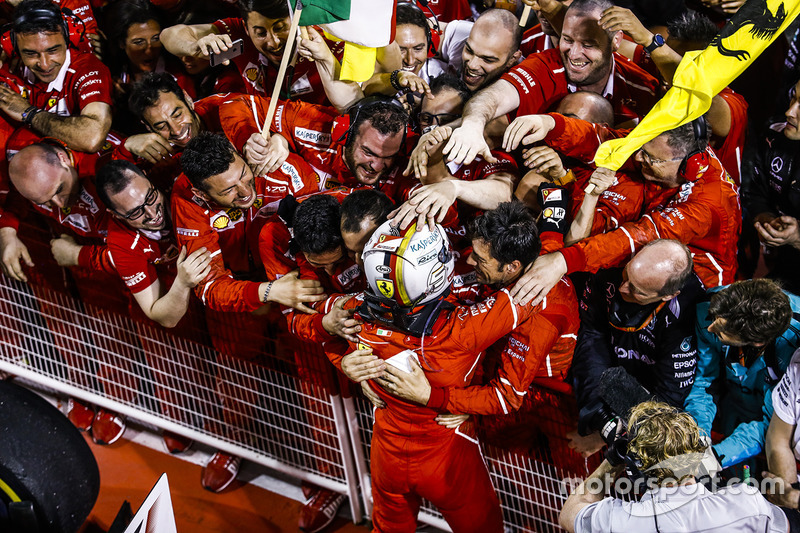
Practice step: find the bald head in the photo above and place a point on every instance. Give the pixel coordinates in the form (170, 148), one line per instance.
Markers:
(43, 174)
(588, 106)
(503, 24)
(491, 48)
(657, 272)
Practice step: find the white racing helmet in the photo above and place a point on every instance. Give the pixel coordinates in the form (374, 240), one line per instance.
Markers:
(408, 268)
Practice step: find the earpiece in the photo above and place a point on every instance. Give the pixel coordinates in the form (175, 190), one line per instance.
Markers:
(72, 27)
(695, 162)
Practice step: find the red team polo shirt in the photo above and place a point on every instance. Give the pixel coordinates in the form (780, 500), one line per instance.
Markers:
(541, 82)
(83, 79)
(140, 256)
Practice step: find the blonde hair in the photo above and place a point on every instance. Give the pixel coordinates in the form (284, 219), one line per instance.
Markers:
(666, 440)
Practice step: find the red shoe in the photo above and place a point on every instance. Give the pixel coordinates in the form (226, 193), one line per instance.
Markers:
(308, 489)
(220, 472)
(320, 511)
(107, 427)
(176, 443)
(80, 414)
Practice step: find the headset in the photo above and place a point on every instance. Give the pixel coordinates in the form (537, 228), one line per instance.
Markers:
(428, 33)
(695, 163)
(72, 28)
(344, 126)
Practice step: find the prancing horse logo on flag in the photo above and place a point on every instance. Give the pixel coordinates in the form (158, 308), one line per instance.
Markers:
(757, 13)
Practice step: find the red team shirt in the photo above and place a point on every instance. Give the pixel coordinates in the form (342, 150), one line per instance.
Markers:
(230, 234)
(259, 74)
(542, 82)
(310, 131)
(703, 214)
(87, 219)
(82, 80)
(140, 256)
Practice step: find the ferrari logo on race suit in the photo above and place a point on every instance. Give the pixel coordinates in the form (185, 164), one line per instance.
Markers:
(386, 287)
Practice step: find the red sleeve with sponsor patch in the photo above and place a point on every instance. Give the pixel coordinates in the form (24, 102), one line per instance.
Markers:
(90, 82)
(307, 127)
(127, 248)
(540, 82)
(705, 215)
(622, 202)
(541, 346)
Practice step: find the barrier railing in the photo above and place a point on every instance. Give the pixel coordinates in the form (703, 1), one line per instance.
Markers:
(264, 410)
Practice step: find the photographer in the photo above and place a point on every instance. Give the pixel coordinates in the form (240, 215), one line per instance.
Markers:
(663, 444)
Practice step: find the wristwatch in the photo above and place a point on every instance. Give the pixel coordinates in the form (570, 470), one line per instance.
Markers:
(658, 41)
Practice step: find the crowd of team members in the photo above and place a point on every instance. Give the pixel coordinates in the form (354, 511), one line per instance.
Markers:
(156, 171)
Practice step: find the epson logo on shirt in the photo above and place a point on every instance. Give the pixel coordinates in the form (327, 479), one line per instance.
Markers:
(297, 181)
(187, 232)
(130, 281)
(316, 137)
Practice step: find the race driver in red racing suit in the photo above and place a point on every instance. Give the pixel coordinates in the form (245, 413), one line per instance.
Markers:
(408, 321)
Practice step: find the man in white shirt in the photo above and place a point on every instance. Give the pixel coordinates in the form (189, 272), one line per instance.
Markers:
(664, 445)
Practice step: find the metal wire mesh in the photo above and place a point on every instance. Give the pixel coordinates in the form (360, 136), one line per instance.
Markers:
(279, 404)
(259, 409)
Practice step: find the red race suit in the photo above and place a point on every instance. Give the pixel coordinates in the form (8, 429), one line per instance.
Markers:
(704, 214)
(229, 234)
(412, 456)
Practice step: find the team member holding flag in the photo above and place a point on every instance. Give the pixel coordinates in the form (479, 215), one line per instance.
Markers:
(700, 76)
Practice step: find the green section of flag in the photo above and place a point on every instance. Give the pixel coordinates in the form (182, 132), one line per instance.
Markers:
(324, 11)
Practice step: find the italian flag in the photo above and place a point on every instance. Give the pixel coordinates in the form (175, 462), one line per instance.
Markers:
(364, 24)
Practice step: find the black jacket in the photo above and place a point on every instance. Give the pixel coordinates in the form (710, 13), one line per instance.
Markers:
(661, 355)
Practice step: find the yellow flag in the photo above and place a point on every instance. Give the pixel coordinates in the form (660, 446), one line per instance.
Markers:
(358, 62)
(701, 75)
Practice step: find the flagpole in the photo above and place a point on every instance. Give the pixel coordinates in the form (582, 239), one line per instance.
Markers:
(525, 14)
(287, 53)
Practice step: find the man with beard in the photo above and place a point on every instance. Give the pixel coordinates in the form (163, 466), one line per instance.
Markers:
(585, 60)
(264, 28)
(173, 120)
(363, 147)
(479, 58)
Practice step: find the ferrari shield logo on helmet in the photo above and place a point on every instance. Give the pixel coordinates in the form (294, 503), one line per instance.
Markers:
(386, 287)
